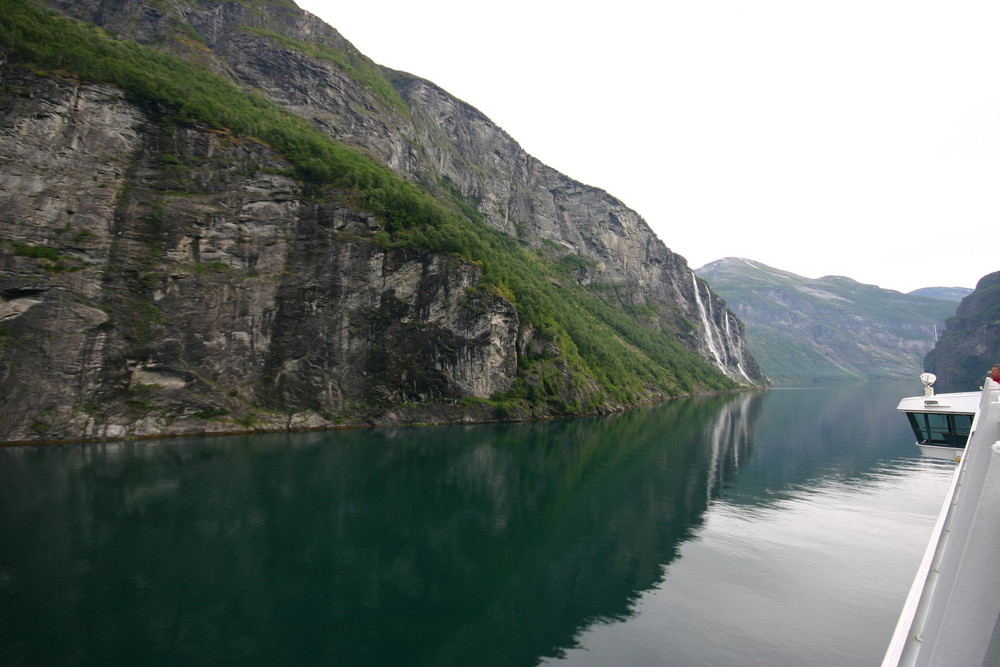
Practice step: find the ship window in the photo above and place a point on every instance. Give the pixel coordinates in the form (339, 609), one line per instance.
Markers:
(940, 429)
(962, 425)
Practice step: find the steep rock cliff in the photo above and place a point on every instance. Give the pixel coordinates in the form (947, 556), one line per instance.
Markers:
(196, 287)
(428, 136)
(970, 344)
(161, 275)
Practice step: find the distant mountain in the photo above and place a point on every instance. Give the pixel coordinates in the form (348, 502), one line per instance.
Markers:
(947, 293)
(829, 329)
(971, 340)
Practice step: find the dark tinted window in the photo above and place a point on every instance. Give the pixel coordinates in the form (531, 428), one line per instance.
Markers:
(940, 429)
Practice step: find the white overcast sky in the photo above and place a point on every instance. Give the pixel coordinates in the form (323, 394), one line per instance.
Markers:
(845, 137)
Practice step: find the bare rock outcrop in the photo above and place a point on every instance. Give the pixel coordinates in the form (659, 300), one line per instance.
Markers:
(162, 277)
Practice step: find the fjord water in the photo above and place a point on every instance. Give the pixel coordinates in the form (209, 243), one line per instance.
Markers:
(771, 528)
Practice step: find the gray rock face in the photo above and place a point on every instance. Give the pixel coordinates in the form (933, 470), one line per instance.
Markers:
(164, 279)
(428, 136)
(158, 276)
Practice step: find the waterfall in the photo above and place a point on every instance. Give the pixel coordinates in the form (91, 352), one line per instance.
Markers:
(731, 344)
(710, 338)
(729, 347)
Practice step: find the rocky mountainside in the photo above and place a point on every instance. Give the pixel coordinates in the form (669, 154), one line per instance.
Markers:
(220, 216)
(970, 344)
(830, 329)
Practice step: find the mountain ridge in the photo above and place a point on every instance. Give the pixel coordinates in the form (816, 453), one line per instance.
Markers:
(942, 292)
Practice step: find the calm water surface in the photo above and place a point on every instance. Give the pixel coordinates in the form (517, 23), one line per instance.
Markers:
(772, 528)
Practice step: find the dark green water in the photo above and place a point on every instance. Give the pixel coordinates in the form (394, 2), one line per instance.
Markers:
(651, 537)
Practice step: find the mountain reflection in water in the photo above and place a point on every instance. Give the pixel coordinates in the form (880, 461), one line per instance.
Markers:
(487, 544)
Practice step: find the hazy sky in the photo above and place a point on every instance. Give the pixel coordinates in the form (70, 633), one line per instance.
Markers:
(847, 137)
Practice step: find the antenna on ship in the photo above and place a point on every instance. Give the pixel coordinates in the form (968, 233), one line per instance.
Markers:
(928, 379)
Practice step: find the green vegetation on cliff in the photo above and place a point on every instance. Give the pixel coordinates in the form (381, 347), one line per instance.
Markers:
(353, 63)
(609, 356)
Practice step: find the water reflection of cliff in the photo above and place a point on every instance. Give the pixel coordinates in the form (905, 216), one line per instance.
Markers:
(841, 432)
(452, 545)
